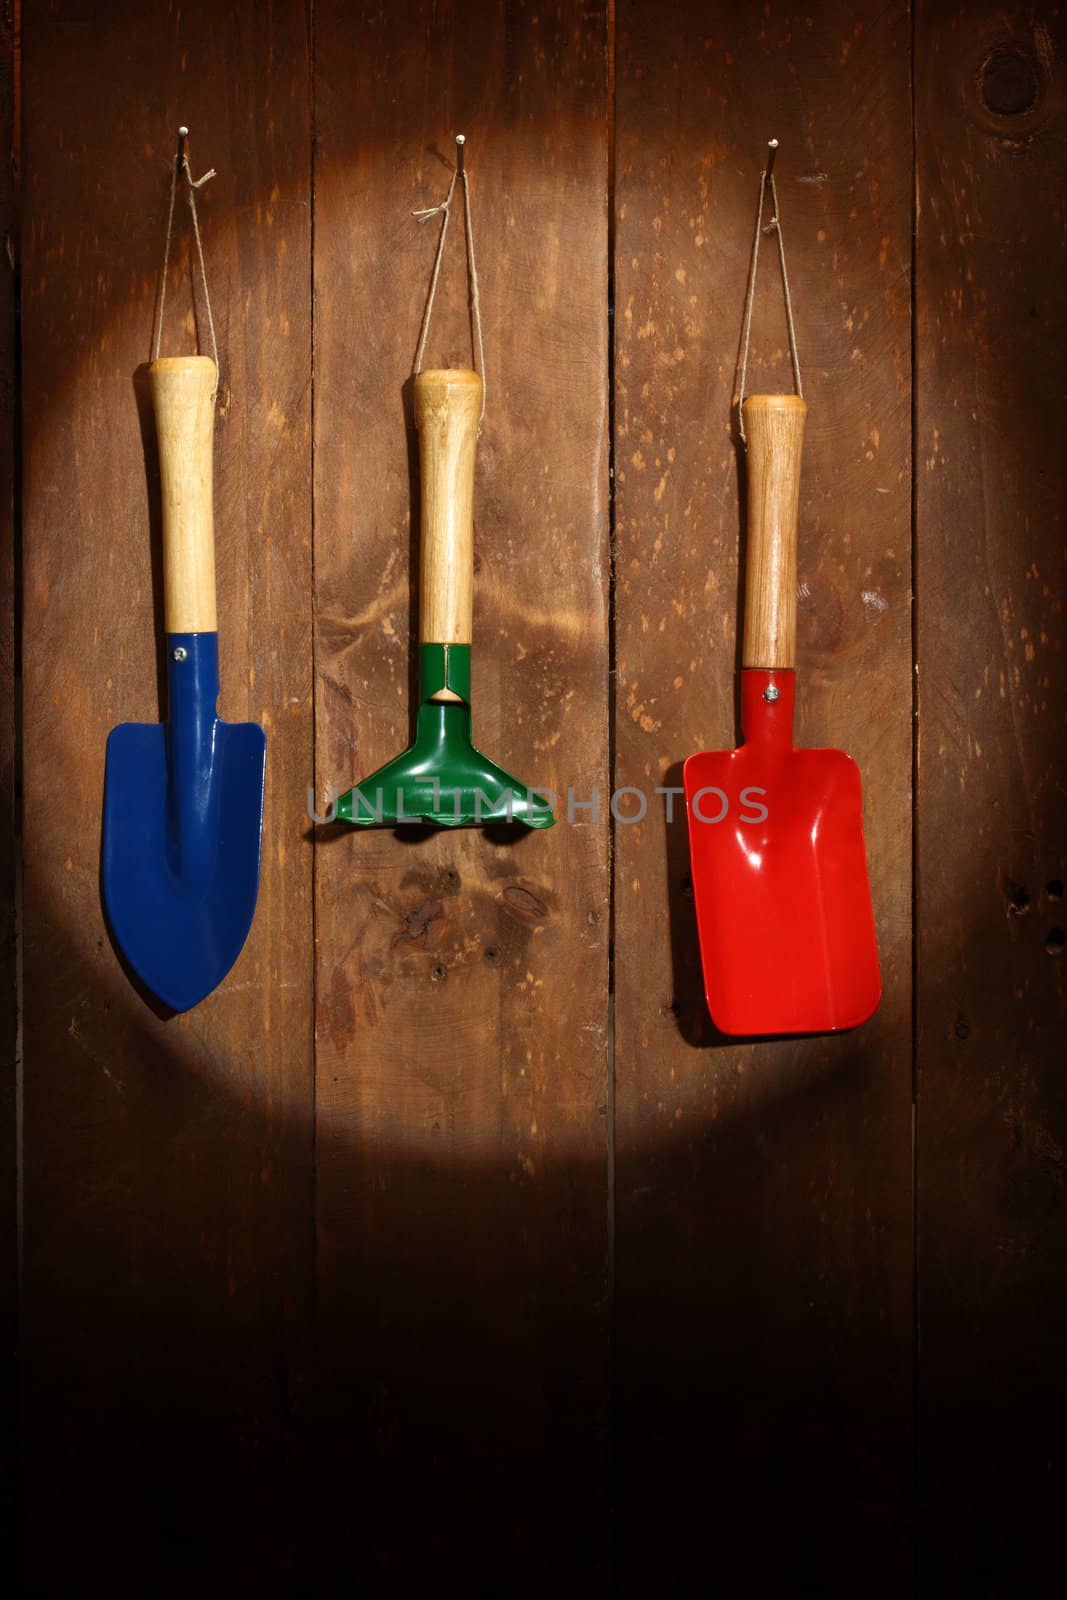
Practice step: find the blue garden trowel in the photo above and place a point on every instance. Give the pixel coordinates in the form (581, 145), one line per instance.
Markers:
(183, 801)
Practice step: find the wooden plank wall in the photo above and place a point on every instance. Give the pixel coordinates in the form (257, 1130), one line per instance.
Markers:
(462, 981)
(447, 1235)
(991, 1094)
(167, 1162)
(8, 756)
(763, 1261)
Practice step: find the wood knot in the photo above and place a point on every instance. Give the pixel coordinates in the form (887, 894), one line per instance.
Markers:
(1010, 80)
(423, 925)
(1018, 900)
(525, 904)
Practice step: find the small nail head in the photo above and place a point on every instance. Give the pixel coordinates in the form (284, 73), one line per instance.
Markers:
(183, 133)
(771, 694)
(461, 138)
(181, 653)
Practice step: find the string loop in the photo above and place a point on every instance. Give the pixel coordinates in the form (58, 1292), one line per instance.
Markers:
(181, 168)
(444, 211)
(775, 227)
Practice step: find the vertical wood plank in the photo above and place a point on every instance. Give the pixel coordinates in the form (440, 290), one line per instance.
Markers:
(764, 1189)
(992, 1100)
(462, 981)
(168, 1162)
(8, 735)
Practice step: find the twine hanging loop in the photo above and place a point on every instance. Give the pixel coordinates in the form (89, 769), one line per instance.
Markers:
(444, 211)
(181, 169)
(775, 227)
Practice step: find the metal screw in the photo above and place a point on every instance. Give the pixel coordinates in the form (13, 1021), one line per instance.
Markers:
(181, 653)
(771, 693)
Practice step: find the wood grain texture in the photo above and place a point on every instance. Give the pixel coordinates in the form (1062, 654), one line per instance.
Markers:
(236, 1379)
(183, 405)
(447, 408)
(992, 1097)
(774, 428)
(462, 984)
(8, 784)
(763, 1267)
(167, 1161)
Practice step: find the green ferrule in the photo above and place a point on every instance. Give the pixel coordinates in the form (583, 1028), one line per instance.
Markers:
(445, 666)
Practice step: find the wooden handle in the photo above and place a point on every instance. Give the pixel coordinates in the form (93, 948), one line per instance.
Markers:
(448, 406)
(774, 427)
(183, 394)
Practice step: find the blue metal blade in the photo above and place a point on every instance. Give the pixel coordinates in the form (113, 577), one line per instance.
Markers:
(183, 822)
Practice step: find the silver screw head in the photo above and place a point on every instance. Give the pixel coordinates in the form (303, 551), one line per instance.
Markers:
(182, 654)
(771, 693)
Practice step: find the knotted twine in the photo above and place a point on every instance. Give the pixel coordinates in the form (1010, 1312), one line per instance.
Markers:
(775, 227)
(444, 211)
(181, 168)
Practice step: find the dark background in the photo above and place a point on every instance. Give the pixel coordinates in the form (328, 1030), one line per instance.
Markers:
(446, 1241)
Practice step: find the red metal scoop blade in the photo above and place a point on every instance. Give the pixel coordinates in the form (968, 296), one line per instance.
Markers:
(780, 876)
(776, 834)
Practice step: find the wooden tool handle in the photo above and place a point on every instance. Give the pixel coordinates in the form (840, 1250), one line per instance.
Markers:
(183, 394)
(774, 427)
(448, 406)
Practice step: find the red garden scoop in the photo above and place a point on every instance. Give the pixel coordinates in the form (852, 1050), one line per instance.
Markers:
(776, 834)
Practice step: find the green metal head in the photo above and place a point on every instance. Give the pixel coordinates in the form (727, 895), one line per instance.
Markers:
(442, 779)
